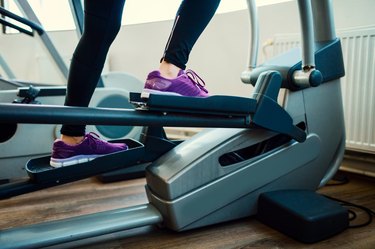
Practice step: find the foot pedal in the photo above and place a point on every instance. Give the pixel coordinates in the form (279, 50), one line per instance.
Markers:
(40, 171)
(42, 175)
(213, 105)
(302, 214)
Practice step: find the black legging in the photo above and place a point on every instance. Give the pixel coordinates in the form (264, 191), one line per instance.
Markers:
(102, 23)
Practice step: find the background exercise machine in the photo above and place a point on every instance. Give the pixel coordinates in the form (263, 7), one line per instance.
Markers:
(21, 142)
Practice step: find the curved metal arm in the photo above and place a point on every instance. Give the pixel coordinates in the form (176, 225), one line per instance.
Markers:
(254, 42)
(25, 7)
(33, 25)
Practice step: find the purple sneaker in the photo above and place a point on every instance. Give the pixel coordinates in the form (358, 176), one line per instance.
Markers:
(90, 148)
(187, 83)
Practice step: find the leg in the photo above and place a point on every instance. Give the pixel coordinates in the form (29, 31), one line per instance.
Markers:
(102, 23)
(192, 18)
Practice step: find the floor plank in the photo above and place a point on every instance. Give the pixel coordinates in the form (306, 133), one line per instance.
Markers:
(90, 196)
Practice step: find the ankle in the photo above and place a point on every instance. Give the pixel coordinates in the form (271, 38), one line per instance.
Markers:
(168, 70)
(70, 140)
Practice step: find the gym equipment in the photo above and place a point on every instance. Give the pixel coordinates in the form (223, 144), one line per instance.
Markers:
(302, 214)
(218, 174)
(36, 141)
(35, 28)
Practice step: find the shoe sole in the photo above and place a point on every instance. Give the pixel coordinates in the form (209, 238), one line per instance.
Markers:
(146, 93)
(58, 163)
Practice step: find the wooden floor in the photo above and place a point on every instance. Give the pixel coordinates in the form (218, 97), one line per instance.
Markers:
(90, 196)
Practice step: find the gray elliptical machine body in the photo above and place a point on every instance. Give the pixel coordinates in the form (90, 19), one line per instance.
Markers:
(218, 174)
(191, 188)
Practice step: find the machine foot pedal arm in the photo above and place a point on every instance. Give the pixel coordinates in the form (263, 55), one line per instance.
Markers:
(42, 175)
(78, 228)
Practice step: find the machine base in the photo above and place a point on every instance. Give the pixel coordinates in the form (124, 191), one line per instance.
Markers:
(302, 214)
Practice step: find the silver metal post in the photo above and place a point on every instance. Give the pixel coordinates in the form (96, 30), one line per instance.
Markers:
(52, 51)
(76, 7)
(307, 76)
(254, 41)
(307, 32)
(324, 24)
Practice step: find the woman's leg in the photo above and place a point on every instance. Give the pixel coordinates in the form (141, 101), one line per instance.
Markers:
(192, 18)
(102, 23)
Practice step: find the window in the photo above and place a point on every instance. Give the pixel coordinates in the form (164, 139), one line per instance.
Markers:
(57, 15)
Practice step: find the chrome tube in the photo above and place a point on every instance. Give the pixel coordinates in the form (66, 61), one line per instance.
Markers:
(254, 41)
(324, 24)
(307, 32)
(25, 7)
(308, 75)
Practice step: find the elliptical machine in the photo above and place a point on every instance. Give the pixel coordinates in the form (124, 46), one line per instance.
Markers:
(217, 175)
(112, 91)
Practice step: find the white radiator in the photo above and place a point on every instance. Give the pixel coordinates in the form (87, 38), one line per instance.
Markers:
(358, 85)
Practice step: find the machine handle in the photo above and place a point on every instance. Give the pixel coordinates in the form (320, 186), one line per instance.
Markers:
(308, 75)
(34, 26)
(254, 42)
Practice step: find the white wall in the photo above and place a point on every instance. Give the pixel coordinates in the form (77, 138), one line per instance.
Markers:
(219, 56)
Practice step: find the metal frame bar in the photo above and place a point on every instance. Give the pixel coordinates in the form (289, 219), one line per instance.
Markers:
(34, 26)
(78, 228)
(12, 25)
(78, 15)
(307, 34)
(48, 114)
(254, 41)
(254, 44)
(324, 24)
(52, 51)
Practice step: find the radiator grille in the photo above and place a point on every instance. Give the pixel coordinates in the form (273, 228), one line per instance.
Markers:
(358, 85)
